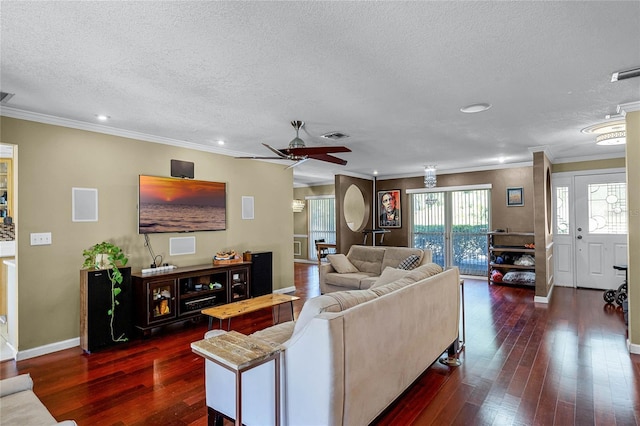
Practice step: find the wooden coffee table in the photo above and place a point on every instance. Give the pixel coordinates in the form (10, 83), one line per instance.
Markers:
(235, 309)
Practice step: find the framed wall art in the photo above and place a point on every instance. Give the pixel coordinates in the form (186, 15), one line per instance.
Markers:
(515, 197)
(389, 212)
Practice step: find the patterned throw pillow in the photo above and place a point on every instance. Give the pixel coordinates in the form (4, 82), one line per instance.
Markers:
(410, 262)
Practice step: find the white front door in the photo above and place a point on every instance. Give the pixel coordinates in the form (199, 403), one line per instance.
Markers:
(600, 229)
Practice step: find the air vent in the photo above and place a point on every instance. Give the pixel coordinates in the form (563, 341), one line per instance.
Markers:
(334, 135)
(4, 97)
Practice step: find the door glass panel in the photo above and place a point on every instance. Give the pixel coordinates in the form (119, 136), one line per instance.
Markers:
(562, 210)
(607, 208)
(161, 300)
(469, 227)
(428, 230)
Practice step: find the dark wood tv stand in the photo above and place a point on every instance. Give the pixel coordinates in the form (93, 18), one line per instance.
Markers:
(164, 298)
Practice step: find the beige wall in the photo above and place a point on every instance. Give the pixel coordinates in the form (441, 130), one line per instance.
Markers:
(633, 200)
(611, 163)
(54, 159)
(515, 219)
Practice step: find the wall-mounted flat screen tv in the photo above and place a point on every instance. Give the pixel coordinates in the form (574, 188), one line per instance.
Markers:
(180, 205)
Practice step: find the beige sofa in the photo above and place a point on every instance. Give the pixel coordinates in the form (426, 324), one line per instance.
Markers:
(364, 266)
(349, 354)
(20, 406)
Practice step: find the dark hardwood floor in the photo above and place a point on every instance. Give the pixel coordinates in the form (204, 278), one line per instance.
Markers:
(524, 364)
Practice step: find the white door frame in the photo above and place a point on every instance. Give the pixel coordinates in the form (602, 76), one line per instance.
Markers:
(564, 246)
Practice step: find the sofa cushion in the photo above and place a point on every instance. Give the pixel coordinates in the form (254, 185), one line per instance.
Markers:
(350, 298)
(349, 281)
(277, 334)
(367, 259)
(394, 255)
(424, 271)
(389, 274)
(331, 302)
(367, 282)
(392, 286)
(410, 262)
(341, 263)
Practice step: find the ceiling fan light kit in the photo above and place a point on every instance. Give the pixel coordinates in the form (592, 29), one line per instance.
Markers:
(612, 138)
(297, 151)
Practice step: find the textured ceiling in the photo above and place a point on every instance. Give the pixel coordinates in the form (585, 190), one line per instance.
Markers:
(392, 75)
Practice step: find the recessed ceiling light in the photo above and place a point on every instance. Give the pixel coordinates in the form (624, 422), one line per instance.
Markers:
(375, 172)
(501, 159)
(472, 109)
(102, 117)
(220, 143)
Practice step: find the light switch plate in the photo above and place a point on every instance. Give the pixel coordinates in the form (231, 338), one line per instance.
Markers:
(41, 238)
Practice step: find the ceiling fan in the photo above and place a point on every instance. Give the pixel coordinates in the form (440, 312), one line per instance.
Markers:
(297, 151)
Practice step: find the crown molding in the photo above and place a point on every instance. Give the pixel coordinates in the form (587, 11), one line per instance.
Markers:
(99, 128)
(589, 158)
(545, 149)
(460, 170)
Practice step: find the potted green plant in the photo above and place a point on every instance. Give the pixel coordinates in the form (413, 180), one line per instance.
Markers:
(108, 256)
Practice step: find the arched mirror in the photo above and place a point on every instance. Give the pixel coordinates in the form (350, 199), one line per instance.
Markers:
(355, 211)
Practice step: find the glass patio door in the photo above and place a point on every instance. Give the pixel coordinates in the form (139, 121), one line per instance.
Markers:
(453, 224)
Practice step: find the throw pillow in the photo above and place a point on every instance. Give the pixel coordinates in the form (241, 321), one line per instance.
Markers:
(341, 264)
(389, 275)
(410, 262)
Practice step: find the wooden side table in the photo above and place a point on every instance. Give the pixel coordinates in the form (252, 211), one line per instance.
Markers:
(239, 353)
(235, 309)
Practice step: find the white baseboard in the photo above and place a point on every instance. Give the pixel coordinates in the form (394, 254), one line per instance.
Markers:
(285, 290)
(305, 261)
(547, 299)
(633, 348)
(47, 349)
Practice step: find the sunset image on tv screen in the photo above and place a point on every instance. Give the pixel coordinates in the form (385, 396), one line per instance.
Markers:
(180, 205)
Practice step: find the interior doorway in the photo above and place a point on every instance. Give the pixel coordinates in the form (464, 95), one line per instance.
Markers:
(8, 279)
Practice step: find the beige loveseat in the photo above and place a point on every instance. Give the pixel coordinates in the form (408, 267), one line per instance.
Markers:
(362, 266)
(349, 354)
(20, 406)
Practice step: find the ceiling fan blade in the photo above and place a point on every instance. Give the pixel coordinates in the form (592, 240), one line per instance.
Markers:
(261, 158)
(328, 158)
(315, 150)
(276, 151)
(296, 163)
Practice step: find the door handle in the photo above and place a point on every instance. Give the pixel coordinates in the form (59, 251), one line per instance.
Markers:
(579, 237)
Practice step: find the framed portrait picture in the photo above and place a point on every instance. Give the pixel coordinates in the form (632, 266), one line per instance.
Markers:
(389, 212)
(515, 197)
